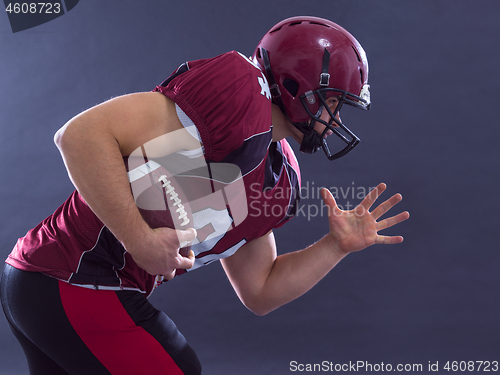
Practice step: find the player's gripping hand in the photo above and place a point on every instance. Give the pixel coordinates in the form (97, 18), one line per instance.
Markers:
(158, 251)
(357, 229)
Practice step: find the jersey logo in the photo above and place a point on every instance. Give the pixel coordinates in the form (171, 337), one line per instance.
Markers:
(264, 86)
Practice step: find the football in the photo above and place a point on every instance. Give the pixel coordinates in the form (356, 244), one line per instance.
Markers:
(159, 197)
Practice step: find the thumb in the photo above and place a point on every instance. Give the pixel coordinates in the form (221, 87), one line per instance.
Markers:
(187, 262)
(186, 236)
(329, 200)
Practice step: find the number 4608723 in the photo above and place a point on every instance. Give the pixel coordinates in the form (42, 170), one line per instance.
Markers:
(33, 7)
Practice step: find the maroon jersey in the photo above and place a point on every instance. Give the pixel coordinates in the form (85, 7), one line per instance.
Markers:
(254, 183)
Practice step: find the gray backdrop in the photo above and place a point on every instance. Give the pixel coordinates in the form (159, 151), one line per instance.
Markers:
(432, 134)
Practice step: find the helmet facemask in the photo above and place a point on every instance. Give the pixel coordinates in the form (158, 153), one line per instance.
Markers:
(312, 140)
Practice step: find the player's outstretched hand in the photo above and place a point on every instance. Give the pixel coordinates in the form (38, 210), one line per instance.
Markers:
(357, 229)
(158, 252)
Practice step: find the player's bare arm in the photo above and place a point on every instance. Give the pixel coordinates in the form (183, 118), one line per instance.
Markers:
(265, 281)
(93, 144)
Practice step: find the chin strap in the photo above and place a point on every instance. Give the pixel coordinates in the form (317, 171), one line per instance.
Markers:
(324, 77)
(273, 86)
(311, 141)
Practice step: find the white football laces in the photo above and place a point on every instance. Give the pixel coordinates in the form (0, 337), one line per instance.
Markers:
(171, 194)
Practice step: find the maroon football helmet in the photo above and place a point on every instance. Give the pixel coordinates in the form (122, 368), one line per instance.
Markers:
(306, 60)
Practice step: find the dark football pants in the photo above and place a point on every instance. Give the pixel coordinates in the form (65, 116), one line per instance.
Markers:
(66, 329)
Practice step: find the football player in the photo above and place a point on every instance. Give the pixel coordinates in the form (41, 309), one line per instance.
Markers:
(75, 288)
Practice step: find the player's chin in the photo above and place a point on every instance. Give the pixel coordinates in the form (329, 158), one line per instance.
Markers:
(320, 129)
(328, 133)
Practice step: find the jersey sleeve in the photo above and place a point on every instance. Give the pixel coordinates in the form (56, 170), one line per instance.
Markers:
(227, 98)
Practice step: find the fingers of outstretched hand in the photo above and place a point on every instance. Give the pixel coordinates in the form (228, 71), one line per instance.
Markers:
(388, 240)
(393, 220)
(383, 207)
(372, 196)
(389, 222)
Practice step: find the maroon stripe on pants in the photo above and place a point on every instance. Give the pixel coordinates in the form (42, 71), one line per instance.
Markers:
(111, 335)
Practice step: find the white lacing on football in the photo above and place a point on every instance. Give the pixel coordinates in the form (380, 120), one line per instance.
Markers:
(170, 191)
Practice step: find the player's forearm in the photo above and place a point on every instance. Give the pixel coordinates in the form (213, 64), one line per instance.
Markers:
(293, 274)
(95, 165)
